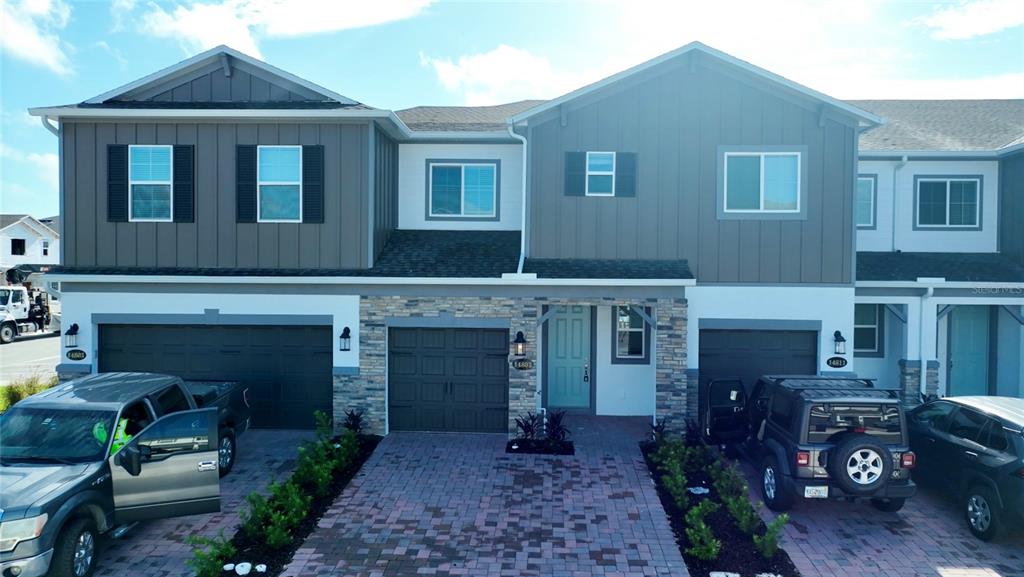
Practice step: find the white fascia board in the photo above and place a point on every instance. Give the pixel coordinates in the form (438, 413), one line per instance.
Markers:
(864, 115)
(364, 280)
(936, 283)
(937, 154)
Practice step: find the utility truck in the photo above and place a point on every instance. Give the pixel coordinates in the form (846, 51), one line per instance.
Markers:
(24, 309)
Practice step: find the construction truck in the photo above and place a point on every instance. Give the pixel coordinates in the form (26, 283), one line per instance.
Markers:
(25, 309)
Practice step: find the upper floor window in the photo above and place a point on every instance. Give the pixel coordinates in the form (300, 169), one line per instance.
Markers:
(600, 174)
(149, 183)
(948, 202)
(867, 330)
(279, 183)
(462, 189)
(46, 248)
(864, 208)
(761, 184)
(17, 246)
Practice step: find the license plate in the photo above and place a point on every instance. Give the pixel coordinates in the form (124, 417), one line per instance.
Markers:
(816, 492)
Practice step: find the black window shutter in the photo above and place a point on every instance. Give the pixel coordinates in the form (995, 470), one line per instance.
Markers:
(313, 183)
(575, 173)
(245, 183)
(117, 182)
(625, 174)
(184, 183)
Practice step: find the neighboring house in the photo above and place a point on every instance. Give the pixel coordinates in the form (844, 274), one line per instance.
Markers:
(688, 219)
(25, 240)
(940, 241)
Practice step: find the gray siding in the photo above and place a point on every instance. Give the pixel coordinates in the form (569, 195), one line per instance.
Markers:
(674, 117)
(210, 84)
(1011, 207)
(385, 189)
(215, 240)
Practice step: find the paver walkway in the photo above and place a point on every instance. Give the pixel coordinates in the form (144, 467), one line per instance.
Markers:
(457, 504)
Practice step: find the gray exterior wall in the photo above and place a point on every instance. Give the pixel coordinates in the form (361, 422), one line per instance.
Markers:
(215, 240)
(675, 117)
(210, 84)
(385, 189)
(1011, 207)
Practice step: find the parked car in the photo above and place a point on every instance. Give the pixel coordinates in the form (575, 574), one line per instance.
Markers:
(102, 452)
(814, 437)
(974, 447)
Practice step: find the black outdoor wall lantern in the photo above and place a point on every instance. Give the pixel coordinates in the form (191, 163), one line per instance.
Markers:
(520, 344)
(71, 336)
(840, 343)
(345, 340)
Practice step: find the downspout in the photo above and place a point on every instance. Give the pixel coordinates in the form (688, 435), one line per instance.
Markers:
(46, 124)
(896, 168)
(929, 291)
(522, 222)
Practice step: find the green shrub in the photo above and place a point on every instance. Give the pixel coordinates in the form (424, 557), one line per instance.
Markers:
(739, 507)
(273, 519)
(768, 543)
(209, 554)
(18, 390)
(324, 425)
(315, 468)
(347, 450)
(703, 544)
(734, 493)
(676, 483)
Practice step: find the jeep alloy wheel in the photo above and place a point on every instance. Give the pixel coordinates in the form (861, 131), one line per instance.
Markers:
(769, 483)
(864, 466)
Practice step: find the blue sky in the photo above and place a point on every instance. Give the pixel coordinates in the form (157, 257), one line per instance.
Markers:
(401, 53)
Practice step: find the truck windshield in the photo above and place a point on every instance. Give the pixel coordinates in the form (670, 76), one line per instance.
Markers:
(880, 420)
(5, 296)
(54, 435)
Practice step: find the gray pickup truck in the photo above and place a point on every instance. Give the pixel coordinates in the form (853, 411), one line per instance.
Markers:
(100, 453)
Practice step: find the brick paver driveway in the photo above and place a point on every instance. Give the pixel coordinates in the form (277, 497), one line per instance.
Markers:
(927, 538)
(158, 548)
(457, 504)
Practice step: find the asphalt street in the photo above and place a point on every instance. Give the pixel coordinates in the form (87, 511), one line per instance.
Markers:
(23, 358)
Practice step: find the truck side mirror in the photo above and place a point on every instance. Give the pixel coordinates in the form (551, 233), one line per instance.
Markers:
(130, 459)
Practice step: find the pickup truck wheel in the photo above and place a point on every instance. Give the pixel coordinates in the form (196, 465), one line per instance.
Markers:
(888, 505)
(774, 491)
(7, 333)
(74, 555)
(984, 518)
(226, 450)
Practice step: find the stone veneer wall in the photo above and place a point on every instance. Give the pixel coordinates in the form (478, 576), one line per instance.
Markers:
(910, 380)
(367, 390)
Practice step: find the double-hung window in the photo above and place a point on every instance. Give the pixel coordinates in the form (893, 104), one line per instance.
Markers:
(867, 329)
(46, 248)
(279, 183)
(462, 189)
(600, 174)
(864, 208)
(630, 336)
(762, 182)
(149, 183)
(948, 202)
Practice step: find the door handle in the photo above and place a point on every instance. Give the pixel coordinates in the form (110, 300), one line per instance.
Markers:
(971, 454)
(586, 373)
(207, 466)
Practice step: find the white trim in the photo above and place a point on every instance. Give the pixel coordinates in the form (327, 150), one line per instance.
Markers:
(868, 118)
(363, 280)
(462, 190)
(874, 193)
(34, 225)
(875, 327)
(948, 180)
(588, 172)
(762, 209)
(259, 183)
(936, 283)
(169, 183)
(642, 330)
(992, 154)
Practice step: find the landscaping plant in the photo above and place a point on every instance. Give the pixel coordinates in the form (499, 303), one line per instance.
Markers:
(734, 493)
(768, 544)
(556, 429)
(209, 554)
(354, 421)
(703, 544)
(529, 426)
(18, 390)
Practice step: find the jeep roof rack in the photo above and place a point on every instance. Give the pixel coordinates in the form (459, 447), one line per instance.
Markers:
(810, 386)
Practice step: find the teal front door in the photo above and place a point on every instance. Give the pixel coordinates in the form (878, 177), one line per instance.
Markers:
(968, 350)
(569, 367)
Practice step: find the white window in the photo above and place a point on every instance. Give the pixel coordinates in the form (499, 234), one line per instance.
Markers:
(149, 183)
(46, 248)
(948, 202)
(867, 328)
(600, 174)
(631, 334)
(762, 182)
(279, 183)
(463, 189)
(865, 203)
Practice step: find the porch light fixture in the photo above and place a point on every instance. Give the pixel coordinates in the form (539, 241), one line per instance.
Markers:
(345, 340)
(71, 336)
(520, 344)
(840, 343)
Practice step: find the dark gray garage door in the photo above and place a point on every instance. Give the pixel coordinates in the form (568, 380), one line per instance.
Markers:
(750, 354)
(448, 380)
(287, 368)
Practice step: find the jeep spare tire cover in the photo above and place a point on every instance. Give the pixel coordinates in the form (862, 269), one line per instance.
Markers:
(860, 465)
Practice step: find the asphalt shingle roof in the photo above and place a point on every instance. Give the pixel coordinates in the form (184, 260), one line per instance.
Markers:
(9, 219)
(943, 125)
(463, 118)
(564, 268)
(953, 266)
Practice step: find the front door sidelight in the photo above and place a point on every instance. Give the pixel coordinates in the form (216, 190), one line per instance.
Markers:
(169, 469)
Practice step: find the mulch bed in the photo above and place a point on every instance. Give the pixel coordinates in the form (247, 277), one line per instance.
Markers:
(540, 447)
(276, 559)
(738, 554)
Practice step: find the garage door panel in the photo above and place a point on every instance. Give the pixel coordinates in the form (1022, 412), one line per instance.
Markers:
(494, 366)
(495, 342)
(465, 366)
(432, 366)
(403, 392)
(751, 354)
(432, 339)
(466, 340)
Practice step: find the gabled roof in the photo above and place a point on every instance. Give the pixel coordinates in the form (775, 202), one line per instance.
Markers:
(464, 118)
(944, 125)
(8, 220)
(866, 118)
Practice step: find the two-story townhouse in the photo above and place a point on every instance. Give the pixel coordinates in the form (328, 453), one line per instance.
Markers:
(449, 268)
(25, 240)
(940, 232)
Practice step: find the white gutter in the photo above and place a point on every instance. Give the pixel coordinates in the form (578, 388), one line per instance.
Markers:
(55, 130)
(935, 283)
(509, 280)
(522, 222)
(939, 154)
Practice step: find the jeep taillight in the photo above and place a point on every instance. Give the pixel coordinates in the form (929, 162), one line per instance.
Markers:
(908, 460)
(245, 397)
(803, 459)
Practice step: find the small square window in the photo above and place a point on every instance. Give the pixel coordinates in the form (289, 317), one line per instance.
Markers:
(279, 177)
(600, 174)
(149, 183)
(18, 246)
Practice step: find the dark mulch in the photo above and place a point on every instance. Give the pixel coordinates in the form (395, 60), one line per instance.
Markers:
(276, 559)
(540, 447)
(738, 554)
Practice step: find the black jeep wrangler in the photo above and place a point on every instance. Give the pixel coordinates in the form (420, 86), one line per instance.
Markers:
(814, 437)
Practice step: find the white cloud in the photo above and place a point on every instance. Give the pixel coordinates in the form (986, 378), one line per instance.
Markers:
(115, 54)
(119, 12)
(971, 19)
(31, 32)
(242, 23)
(42, 168)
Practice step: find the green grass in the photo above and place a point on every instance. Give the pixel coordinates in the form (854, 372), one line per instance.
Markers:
(18, 390)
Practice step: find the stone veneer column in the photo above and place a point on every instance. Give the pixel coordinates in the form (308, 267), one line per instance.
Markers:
(910, 381)
(931, 378)
(674, 401)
